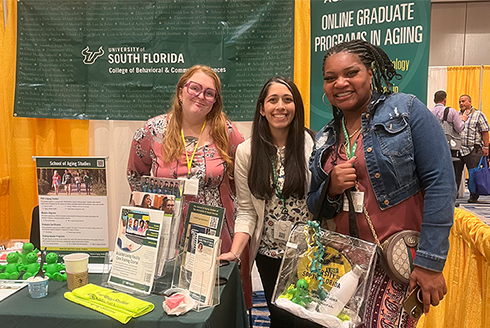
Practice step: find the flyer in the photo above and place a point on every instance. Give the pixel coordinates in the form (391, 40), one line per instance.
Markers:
(73, 205)
(140, 233)
(205, 269)
(204, 219)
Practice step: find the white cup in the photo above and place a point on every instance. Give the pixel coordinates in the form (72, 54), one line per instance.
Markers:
(76, 262)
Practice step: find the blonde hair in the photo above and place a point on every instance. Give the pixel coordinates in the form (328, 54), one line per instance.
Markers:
(216, 120)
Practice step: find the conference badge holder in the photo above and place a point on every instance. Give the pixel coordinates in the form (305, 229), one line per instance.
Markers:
(325, 276)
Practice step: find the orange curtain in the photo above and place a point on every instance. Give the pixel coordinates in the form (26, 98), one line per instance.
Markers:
(485, 96)
(467, 274)
(22, 138)
(302, 65)
(463, 80)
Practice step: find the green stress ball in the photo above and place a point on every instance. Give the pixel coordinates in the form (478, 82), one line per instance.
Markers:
(32, 267)
(12, 267)
(52, 268)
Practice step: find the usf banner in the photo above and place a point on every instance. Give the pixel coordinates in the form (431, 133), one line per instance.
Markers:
(121, 59)
(401, 29)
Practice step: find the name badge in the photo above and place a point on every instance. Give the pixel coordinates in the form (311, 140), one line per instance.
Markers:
(191, 186)
(357, 200)
(282, 229)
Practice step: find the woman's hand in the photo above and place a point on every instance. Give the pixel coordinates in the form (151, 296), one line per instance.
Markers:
(432, 283)
(227, 257)
(342, 177)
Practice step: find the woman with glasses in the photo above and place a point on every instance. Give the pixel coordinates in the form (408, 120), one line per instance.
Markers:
(197, 142)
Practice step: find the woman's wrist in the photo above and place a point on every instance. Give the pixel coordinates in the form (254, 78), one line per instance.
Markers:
(239, 261)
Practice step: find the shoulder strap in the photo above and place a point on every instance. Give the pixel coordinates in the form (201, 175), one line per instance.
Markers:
(446, 112)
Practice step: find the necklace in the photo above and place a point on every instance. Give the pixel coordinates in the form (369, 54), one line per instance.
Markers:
(354, 133)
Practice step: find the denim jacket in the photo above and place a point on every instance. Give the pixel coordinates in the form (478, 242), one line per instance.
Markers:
(405, 151)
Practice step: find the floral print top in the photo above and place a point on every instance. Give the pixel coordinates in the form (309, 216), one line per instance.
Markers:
(294, 211)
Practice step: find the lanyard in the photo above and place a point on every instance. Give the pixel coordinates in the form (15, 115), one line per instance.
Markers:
(189, 162)
(350, 152)
(276, 184)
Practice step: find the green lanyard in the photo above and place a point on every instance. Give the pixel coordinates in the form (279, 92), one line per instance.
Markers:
(276, 184)
(350, 151)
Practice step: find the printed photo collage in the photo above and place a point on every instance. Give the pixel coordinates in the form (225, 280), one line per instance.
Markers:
(157, 194)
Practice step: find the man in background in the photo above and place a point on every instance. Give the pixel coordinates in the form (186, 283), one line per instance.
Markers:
(474, 139)
(454, 127)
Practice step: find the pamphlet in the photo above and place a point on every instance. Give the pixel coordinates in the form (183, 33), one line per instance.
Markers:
(9, 287)
(140, 233)
(202, 219)
(204, 272)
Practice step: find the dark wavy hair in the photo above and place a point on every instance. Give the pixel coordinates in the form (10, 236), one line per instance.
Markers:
(263, 148)
(373, 57)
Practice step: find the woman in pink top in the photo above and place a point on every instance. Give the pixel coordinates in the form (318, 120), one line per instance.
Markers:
(208, 154)
(56, 182)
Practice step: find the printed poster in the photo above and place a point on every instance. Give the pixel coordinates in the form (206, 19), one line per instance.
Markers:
(73, 205)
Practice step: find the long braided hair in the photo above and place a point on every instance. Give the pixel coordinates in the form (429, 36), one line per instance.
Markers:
(372, 57)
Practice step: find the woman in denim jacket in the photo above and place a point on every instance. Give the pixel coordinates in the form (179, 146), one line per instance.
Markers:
(392, 149)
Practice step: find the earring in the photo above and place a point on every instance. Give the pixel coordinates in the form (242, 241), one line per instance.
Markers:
(323, 99)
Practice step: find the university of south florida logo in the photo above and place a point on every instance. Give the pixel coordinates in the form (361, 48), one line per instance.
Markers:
(89, 57)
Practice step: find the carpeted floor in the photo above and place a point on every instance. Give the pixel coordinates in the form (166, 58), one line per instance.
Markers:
(260, 312)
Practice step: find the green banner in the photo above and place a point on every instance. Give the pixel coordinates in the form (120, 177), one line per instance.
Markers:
(401, 29)
(121, 59)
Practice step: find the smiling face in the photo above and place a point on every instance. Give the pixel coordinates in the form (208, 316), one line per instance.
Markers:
(347, 82)
(278, 107)
(196, 108)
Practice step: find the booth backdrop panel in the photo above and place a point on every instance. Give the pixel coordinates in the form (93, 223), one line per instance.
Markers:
(121, 60)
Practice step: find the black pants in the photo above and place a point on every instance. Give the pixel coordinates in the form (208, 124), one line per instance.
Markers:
(269, 270)
(471, 160)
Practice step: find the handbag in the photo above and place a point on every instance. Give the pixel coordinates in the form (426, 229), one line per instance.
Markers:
(453, 138)
(396, 253)
(479, 178)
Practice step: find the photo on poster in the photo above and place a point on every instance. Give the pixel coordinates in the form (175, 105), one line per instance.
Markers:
(70, 181)
(162, 186)
(152, 201)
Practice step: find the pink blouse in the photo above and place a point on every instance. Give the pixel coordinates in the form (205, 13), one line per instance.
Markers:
(208, 166)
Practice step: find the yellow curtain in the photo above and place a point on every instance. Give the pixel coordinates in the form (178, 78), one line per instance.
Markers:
(463, 80)
(22, 138)
(467, 273)
(302, 53)
(485, 95)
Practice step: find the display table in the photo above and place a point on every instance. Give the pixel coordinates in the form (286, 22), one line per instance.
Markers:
(20, 310)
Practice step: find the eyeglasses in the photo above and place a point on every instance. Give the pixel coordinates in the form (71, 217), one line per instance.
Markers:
(195, 89)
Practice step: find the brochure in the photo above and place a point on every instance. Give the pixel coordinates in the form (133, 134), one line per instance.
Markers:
(205, 269)
(138, 244)
(9, 287)
(202, 219)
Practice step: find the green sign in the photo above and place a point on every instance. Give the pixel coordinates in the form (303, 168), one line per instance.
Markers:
(121, 59)
(401, 29)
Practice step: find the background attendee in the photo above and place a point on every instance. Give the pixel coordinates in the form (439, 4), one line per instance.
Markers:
(474, 139)
(454, 120)
(393, 150)
(271, 177)
(196, 141)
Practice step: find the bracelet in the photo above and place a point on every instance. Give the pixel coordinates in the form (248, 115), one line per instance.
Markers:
(485, 147)
(236, 256)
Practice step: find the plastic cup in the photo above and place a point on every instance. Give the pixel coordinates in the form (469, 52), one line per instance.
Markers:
(76, 267)
(38, 289)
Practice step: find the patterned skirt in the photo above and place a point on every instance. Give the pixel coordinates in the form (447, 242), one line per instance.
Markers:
(384, 307)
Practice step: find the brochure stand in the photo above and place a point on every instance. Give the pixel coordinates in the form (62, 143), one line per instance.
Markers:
(201, 280)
